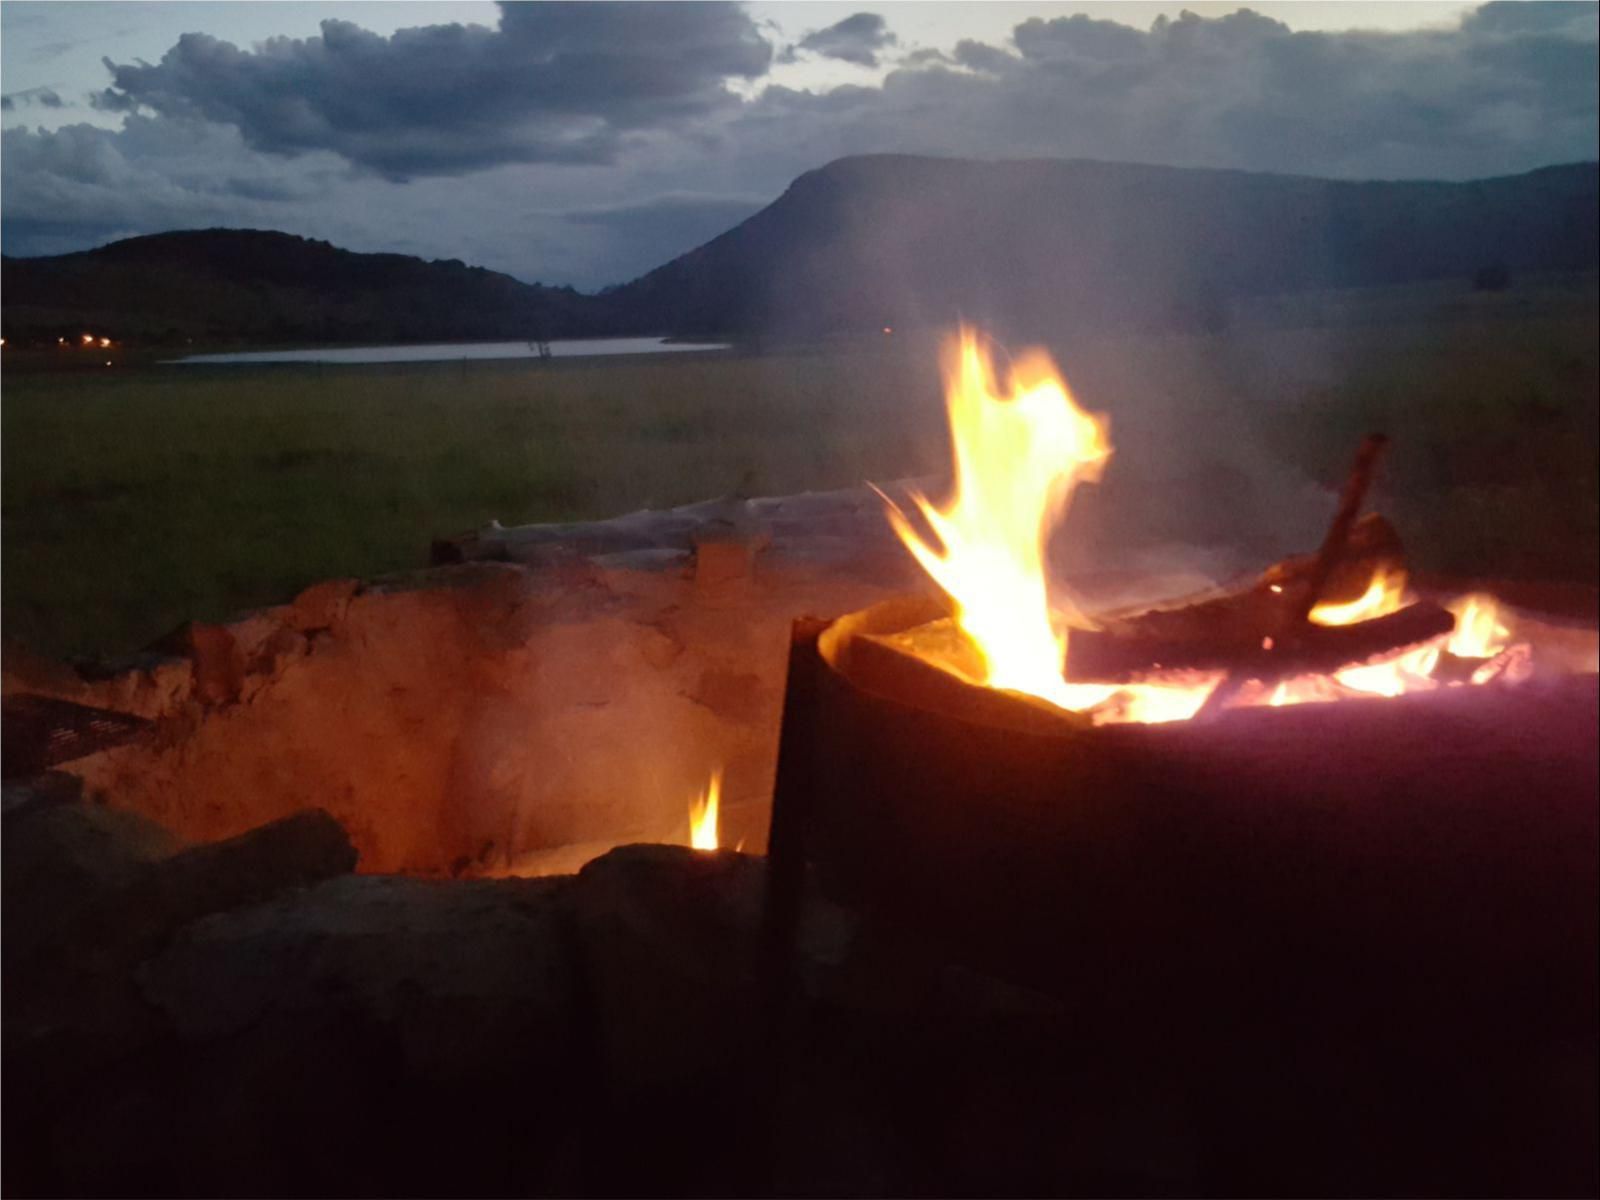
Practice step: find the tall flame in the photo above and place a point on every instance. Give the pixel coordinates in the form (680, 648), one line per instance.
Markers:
(703, 814)
(1018, 455)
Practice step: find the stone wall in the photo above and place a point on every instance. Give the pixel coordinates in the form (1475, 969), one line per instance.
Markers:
(554, 689)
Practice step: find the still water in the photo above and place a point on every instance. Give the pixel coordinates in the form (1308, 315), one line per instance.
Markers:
(454, 352)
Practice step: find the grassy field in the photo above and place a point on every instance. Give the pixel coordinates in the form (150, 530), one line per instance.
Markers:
(140, 496)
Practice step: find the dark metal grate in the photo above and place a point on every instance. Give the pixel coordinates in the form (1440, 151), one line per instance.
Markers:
(39, 732)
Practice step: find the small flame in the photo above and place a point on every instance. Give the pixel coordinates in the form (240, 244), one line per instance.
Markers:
(1385, 594)
(1481, 630)
(1018, 455)
(1408, 672)
(703, 814)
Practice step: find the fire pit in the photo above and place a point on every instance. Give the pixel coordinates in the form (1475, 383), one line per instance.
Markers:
(1316, 843)
(1312, 845)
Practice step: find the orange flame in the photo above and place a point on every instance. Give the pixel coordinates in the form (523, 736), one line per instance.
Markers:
(1481, 629)
(1018, 455)
(703, 814)
(1385, 594)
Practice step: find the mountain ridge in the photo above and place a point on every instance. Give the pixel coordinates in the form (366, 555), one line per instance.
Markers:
(1024, 245)
(903, 239)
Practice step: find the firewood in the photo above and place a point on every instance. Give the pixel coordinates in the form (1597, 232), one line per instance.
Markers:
(1095, 656)
(1333, 544)
(1283, 643)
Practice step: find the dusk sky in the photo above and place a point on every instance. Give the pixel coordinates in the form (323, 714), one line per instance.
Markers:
(587, 143)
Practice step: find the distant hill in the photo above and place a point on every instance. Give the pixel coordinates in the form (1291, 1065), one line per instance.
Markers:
(1037, 246)
(1033, 247)
(226, 285)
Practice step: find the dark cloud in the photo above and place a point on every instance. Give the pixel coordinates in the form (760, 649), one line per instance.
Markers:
(153, 174)
(1506, 91)
(556, 82)
(1532, 16)
(980, 56)
(42, 96)
(856, 39)
(1079, 37)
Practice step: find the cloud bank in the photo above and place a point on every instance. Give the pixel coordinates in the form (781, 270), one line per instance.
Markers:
(588, 143)
(555, 83)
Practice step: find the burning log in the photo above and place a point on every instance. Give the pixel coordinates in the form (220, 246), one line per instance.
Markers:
(1127, 652)
(1269, 631)
(906, 638)
(1282, 645)
(1332, 551)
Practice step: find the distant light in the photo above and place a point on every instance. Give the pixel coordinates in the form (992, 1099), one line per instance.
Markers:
(108, 362)
(61, 341)
(104, 342)
(888, 328)
(88, 339)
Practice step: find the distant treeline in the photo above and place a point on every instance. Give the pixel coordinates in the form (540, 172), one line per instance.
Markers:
(227, 285)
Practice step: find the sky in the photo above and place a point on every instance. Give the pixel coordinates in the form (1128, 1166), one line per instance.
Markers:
(584, 144)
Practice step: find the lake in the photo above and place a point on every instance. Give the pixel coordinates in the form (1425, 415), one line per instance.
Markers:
(452, 352)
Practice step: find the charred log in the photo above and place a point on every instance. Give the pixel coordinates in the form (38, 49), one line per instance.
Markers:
(1123, 654)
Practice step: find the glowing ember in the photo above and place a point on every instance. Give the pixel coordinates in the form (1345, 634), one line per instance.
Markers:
(1018, 455)
(703, 814)
(1153, 703)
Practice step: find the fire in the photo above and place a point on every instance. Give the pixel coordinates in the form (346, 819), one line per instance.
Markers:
(1019, 453)
(1386, 593)
(1020, 450)
(703, 814)
(1481, 630)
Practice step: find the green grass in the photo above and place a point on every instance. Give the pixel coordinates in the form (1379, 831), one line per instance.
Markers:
(138, 497)
(137, 500)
